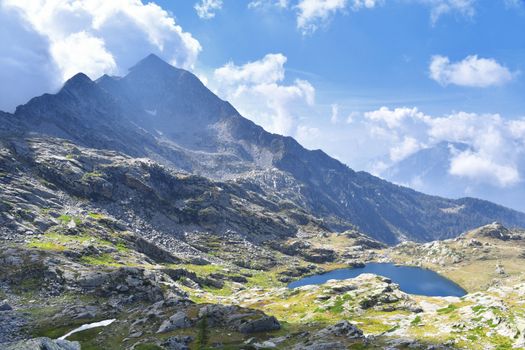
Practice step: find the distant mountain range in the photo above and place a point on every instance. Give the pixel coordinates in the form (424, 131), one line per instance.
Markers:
(167, 115)
(428, 171)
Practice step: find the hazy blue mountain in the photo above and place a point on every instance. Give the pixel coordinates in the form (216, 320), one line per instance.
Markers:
(167, 114)
(428, 171)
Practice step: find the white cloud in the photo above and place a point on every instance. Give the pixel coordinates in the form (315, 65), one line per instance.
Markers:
(305, 134)
(369, 4)
(482, 169)
(206, 8)
(408, 146)
(259, 4)
(496, 145)
(312, 13)
(442, 7)
(256, 88)
(472, 72)
(334, 117)
(96, 36)
(517, 128)
(81, 52)
(378, 167)
(269, 69)
(458, 127)
(352, 117)
(394, 118)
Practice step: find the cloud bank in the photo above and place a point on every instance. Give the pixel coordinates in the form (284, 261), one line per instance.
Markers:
(258, 90)
(496, 144)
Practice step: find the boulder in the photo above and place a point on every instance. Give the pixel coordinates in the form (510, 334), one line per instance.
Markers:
(177, 321)
(319, 255)
(321, 346)
(237, 318)
(4, 306)
(341, 329)
(44, 344)
(179, 342)
(262, 324)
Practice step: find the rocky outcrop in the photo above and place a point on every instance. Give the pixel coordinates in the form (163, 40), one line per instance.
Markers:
(237, 318)
(4, 306)
(494, 230)
(43, 344)
(305, 250)
(341, 329)
(336, 336)
(153, 251)
(259, 325)
(12, 324)
(178, 343)
(132, 283)
(177, 321)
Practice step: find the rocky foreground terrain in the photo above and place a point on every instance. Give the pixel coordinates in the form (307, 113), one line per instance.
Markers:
(150, 208)
(87, 268)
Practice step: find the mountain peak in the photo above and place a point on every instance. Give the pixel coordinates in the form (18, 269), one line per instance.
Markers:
(153, 57)
(78, 82)
(152, 62)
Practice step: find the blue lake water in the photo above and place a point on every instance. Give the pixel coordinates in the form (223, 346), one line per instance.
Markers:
(413, 280)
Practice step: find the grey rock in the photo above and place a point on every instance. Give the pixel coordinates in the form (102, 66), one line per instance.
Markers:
(263, 324)
(341, 329)
(176, 321)
(178, 343)
(4, 306)
(136, 334)
(44, 344)
(321, 345)
(240, 319)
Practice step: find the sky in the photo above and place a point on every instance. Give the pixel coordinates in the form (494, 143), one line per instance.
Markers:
(370, 82)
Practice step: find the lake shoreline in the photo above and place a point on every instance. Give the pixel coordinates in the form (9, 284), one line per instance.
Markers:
(429, 282)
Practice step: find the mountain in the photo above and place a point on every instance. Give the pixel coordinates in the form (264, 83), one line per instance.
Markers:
(428, 171)
(167, 115)
(148, 207)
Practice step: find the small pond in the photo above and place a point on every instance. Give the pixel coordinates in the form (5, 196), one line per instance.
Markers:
(413, 280)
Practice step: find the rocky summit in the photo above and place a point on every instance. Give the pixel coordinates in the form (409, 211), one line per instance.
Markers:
(143, 212)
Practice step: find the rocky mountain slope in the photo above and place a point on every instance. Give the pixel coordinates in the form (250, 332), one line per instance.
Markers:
(166, 114)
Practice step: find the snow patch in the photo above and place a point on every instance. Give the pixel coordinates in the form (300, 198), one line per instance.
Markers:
(87, 326)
